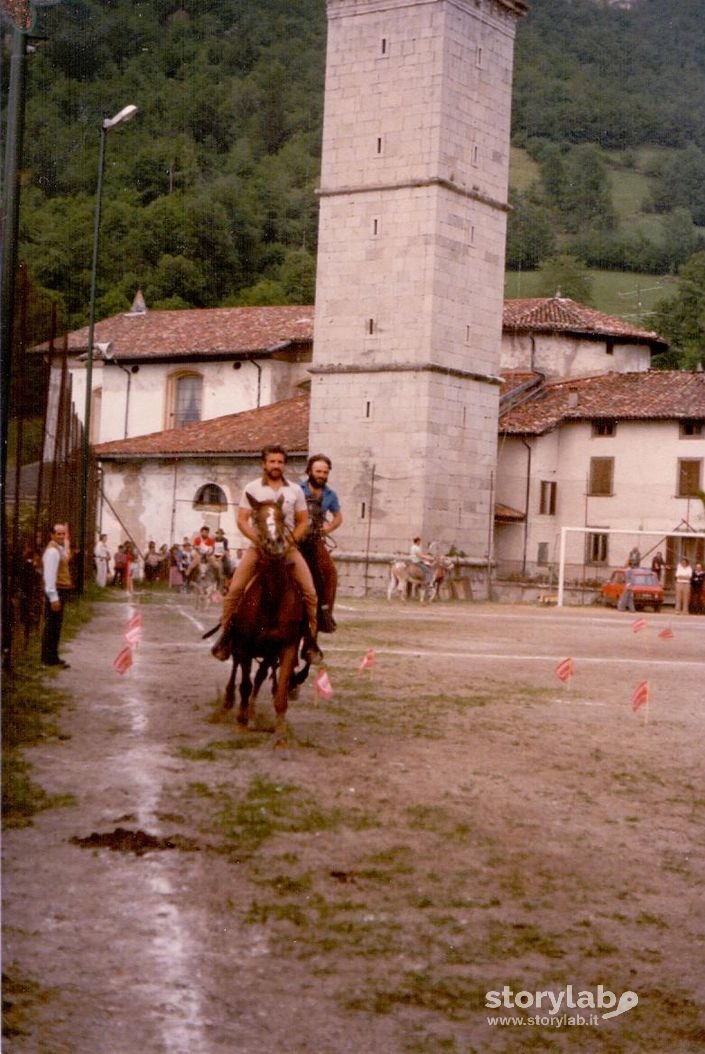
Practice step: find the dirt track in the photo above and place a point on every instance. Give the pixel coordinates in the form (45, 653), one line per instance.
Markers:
(453, 821)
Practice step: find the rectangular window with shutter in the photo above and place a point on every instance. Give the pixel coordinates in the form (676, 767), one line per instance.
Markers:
(601, 476)
(547, 505)
(690, 472)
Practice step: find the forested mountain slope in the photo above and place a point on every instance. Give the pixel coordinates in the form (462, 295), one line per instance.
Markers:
(209, 192)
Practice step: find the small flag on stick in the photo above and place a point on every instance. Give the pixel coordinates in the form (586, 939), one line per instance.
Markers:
(134, 635)
(640, 695)
(322, 684)
(638, 625)
(564, 670)
(123, 660)
(666, 633)
(368, 661)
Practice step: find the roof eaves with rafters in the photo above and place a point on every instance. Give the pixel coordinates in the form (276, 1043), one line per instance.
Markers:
(650, 396)
(234, 435)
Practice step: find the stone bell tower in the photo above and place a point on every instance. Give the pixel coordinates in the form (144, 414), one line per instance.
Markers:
(409, 294)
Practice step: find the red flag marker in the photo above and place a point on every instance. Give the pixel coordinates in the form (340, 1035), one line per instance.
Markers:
(322, 684)
(640, 695)
(666, 633)
(123, 660)
(135, 621)
(368, 661)
(639, 625)
(134, 636)
(564, 670)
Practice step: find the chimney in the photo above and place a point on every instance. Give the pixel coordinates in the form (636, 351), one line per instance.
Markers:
(138, 305)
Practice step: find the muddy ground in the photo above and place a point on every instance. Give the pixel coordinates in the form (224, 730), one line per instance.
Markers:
(455, 820)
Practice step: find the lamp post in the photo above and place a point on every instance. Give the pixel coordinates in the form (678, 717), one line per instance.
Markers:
(126, 114)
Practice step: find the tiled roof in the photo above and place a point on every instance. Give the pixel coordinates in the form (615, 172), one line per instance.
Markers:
(231, 331)
(559, 314)
(197, 331)
(285, 422)
(655, 395)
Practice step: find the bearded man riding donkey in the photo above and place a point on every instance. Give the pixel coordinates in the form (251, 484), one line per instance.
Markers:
(265, 615)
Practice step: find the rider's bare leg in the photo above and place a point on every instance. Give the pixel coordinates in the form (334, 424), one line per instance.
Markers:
(238, 584)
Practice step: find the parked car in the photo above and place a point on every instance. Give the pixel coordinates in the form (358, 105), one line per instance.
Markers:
(648, 591)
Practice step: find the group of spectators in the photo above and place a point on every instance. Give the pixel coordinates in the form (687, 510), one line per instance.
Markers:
(173, 566)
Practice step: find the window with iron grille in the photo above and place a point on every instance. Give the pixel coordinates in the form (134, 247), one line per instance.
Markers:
(601, 476)
(596, 548)
(210, 495)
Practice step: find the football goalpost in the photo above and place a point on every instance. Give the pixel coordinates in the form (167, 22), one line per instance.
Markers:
(565, 531)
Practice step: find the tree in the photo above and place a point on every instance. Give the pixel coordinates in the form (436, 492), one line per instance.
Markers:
(565, 276)
(681, 319)
(530, 237)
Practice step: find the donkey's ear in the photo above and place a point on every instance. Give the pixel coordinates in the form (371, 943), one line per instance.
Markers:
(254, 504)
(280, 499)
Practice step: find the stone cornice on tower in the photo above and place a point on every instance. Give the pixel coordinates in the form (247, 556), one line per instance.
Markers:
(449, 184)
(339, 8)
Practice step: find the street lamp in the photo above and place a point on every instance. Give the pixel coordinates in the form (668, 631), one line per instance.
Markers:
(126, 114)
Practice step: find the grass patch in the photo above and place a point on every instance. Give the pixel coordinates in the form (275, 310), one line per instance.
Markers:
(452, 995)
(19, 996)
(268, 809)
(218, 748)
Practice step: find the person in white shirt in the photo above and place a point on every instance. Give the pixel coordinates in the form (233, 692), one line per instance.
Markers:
(101, 555)
(684, 574)
(269, 487)
(57, 581)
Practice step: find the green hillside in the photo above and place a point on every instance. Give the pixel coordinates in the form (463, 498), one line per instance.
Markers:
(210, 191)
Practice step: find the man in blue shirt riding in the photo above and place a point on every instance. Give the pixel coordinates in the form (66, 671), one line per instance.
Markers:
(324, 518)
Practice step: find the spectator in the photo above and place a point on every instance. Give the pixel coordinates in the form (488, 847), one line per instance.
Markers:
(120, 567)
(57, 583)
(176, 567)
(152, 562)
(684, 576)
(658, 566)
(697, 587)
(101, 555)
(626, 600)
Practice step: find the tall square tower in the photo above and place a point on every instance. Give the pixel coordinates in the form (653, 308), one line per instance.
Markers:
(409, 293)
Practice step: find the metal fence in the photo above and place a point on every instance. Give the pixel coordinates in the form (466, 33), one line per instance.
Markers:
(42, 486)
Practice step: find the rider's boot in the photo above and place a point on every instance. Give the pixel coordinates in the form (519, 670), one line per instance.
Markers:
(310, 652)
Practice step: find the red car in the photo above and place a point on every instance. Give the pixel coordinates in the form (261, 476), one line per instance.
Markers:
(648, 591)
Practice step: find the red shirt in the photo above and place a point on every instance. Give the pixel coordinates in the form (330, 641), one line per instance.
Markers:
(203, 545)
